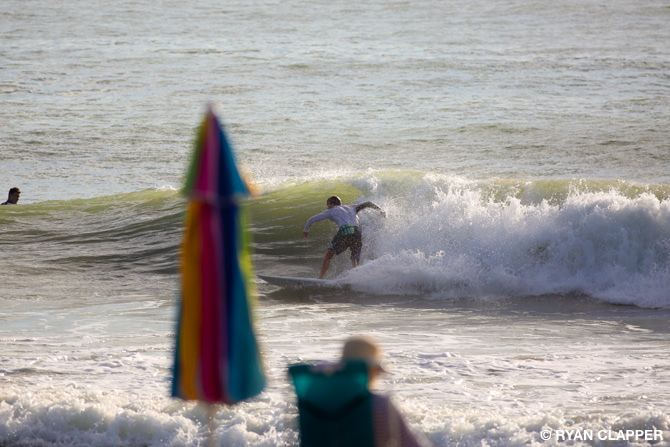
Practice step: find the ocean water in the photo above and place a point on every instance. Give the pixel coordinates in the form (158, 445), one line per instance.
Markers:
(519, 287)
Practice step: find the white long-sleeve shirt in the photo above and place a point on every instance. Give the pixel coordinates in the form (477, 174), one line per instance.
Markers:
(341, 215)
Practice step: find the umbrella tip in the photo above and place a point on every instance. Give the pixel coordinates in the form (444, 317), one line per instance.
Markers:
(210, 108)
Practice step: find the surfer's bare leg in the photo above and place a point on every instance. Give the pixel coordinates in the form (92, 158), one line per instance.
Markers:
(326, 263)
(355, 259)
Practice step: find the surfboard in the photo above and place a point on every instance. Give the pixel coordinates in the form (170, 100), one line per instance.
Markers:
(300, 283)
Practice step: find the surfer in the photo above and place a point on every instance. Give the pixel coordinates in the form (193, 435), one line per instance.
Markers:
(348, 233)
(13, 197)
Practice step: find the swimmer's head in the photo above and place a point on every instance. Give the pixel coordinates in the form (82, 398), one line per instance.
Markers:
(14, 195)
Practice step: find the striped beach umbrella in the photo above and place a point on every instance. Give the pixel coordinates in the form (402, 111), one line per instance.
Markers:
(217, 358)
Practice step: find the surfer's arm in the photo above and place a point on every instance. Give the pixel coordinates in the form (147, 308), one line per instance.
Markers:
(312, 220)
(364, 205)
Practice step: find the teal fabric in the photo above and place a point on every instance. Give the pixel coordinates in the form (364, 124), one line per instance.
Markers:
(346, 229)
(334, 406)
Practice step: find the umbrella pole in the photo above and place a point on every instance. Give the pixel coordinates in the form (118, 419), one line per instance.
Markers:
(211, 427)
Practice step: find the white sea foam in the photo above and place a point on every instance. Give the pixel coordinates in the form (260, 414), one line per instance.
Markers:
(532, 379)
(449, 237)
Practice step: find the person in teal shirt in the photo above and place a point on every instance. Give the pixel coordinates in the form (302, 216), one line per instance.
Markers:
(337, 408)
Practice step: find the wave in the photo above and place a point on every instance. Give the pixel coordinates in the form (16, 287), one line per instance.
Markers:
(112, 235)
(77, 417)
(449, 237)
(445, 237)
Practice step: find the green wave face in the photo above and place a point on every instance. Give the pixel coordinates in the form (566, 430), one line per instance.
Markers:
(602, 238)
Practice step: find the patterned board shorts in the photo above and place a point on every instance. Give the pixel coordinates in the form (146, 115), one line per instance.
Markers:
(348, 236)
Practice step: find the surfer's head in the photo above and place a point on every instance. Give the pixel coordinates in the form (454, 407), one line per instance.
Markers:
(333, 201)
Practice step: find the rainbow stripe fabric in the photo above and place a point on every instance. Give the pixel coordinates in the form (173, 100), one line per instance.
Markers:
(217, 358)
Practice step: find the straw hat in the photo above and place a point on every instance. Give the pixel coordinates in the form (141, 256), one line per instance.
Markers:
(363, 349)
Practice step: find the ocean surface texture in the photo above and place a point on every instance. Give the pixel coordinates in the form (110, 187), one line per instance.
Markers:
(520, 286)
